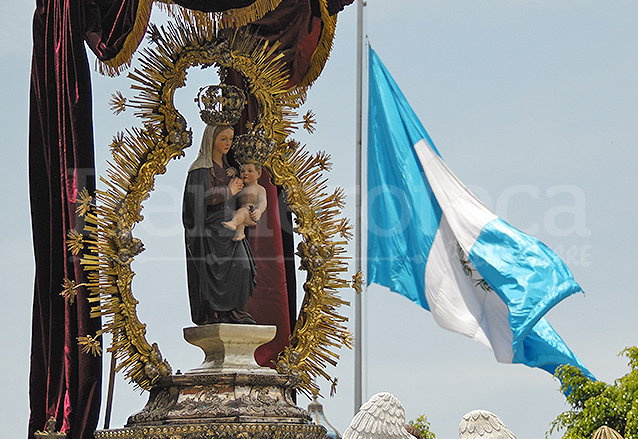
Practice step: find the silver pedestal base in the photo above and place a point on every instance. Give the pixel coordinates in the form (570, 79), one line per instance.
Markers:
(229, 396)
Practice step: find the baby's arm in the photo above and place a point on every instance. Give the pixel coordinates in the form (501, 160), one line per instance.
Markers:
(231, 172)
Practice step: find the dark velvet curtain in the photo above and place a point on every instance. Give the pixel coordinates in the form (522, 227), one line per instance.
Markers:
(296, 25)
(335, 6)
(64, 383)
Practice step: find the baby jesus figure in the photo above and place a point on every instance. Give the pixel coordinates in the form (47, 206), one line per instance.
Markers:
(251, 199)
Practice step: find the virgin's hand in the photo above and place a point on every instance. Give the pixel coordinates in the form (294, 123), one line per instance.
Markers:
(235, 185)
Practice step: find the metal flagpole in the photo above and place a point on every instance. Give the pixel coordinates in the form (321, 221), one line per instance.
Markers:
(357, 320)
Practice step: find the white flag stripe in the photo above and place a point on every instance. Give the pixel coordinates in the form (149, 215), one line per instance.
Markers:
(465, 214)
(458, 304)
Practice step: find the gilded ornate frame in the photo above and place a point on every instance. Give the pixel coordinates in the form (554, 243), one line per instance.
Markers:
(138, 155)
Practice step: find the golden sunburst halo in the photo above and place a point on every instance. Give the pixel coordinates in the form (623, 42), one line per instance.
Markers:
(140, 154)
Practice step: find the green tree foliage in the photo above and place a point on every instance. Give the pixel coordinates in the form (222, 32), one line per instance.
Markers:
(421, 423)
(595, 403)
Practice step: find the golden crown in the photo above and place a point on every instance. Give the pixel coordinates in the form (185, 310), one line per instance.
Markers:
(220, 104)
(253, 147)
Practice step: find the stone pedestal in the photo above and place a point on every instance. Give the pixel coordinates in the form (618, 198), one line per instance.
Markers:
(229, 396)
(230, 348)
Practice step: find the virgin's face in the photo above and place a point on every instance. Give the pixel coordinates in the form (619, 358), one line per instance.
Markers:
(223, 141)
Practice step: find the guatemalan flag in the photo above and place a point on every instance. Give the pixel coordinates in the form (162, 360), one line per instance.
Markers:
(432, 241)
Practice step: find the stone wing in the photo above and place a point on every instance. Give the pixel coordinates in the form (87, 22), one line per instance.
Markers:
(481, 424)
(382, 417)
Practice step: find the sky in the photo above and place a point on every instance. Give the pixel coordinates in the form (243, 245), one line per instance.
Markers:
(531, 103)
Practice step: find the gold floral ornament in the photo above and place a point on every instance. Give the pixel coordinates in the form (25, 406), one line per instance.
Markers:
(117, 103)
(75, 242)
(309, 122)
(140, 154)
(117, 143)
(90, 345)
(49, 431)
(357, 282)
(345, 229)
(322, 160)
(333, 387)
(85, 203)
(347, 339)
(69, 290)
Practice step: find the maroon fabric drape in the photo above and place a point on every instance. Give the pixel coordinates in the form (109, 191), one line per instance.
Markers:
(269, 303)
(64, 383)
(335, 6)
(107, 24)
(296, 25)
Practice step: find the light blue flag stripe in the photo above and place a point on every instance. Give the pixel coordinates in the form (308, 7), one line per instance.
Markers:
(404, 218)
(543, 348)
(401, 226)
(530, 278)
